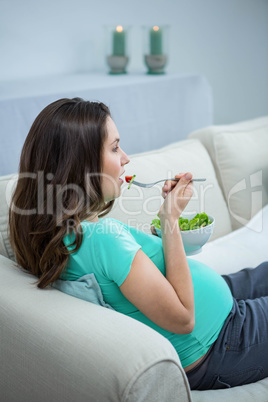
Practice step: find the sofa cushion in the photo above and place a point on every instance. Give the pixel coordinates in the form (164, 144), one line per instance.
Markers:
(255, 392)
(239, 153)
(7, 185)
(243, 248)
(84, 288)
(138, 206)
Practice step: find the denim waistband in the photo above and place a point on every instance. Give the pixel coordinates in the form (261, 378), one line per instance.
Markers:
(196, 374)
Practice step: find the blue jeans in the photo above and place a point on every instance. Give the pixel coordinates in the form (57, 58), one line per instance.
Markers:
(240, 354)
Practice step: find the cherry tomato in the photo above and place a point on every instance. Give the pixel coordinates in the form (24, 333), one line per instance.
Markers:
(128, 178)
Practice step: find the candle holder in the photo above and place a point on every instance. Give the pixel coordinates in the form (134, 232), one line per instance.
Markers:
(117, 48)
(156, 48)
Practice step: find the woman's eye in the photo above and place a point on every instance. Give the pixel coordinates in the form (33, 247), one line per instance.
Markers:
(115, 149)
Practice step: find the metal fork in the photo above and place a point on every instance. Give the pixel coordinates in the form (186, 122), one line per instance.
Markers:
(148, 185)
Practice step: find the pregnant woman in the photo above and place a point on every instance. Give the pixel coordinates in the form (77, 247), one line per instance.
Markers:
(71, 170)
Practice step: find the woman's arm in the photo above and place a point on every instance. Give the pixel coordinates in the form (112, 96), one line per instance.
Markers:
(167, 301)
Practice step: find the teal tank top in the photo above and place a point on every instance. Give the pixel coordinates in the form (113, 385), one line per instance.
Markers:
(108, 249)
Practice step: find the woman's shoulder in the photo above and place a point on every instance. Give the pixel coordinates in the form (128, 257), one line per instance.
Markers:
(106, 221)
(108, 235)
(104, 226)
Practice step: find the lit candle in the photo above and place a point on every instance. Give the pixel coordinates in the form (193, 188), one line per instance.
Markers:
(156, 40)
(119, 41)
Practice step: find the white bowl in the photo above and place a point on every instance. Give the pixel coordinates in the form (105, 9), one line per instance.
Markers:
(194, 240)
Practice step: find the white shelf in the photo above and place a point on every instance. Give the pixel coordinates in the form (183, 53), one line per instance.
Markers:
(150, 111)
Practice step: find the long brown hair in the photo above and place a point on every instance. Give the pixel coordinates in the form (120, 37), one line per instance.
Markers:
(59, 185)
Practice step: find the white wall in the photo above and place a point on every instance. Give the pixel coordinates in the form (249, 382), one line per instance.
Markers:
(226, 41)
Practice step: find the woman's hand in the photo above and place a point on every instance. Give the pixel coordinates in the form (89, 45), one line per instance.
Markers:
(177, 194)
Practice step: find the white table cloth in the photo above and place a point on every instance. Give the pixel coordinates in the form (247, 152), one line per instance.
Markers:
(150, 111)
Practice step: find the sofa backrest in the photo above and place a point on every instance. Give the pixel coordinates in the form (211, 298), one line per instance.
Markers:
(138, 206)
(239, 153)
(7, 185)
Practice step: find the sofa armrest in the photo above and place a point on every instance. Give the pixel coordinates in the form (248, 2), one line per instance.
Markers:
(59, 348)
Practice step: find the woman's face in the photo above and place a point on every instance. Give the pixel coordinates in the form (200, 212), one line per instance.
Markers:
(114, 159)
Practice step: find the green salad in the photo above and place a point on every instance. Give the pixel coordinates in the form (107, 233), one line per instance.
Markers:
(131, 180)
(199, 221)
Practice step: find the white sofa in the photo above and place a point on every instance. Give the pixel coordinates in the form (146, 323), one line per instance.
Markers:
(57, 348)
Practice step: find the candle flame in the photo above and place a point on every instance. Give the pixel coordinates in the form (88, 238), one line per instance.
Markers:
(156, 28)
(119, 28)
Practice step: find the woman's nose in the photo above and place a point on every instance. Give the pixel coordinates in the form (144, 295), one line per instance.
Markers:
(125, 159)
